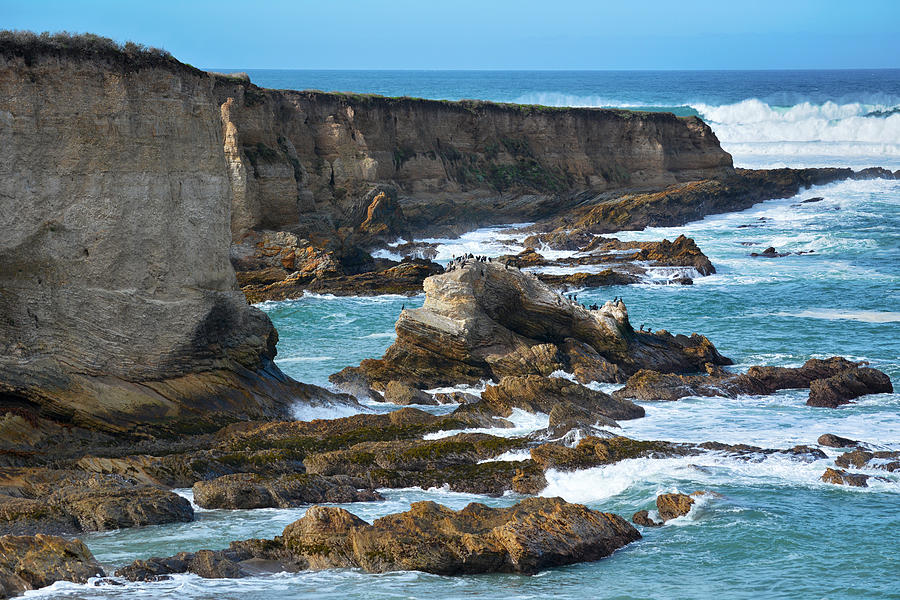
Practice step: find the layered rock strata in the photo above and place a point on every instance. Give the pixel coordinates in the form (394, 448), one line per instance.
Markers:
(119, 305)
(485, 320)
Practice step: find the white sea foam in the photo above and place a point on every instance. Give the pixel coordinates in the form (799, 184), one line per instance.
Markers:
(863, 316)
(710, 469)
(523, 424)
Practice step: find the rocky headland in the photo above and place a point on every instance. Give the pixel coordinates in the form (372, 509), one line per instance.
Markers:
(144, 201)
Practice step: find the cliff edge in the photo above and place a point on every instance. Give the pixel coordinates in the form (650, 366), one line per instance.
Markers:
(118, 304)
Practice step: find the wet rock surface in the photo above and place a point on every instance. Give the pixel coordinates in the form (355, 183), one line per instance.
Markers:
(534, 534)
(30, 562)
(836, 441)
(832, 382)
(841, 477)
(249, 490)
(536, 394)
(65, 502)
(486, 320)
(844, 387)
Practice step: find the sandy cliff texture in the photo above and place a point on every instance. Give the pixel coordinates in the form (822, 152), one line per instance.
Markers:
(308, 161)
(118, 304)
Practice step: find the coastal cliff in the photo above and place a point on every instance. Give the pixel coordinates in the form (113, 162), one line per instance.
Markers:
(307, 160)
(118, 304)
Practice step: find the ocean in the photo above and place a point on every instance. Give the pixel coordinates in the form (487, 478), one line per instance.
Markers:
(776, 531)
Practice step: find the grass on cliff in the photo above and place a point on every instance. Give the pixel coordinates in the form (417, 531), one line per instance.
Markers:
(84, 45)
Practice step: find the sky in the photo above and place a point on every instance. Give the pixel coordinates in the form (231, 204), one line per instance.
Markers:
(488, 34)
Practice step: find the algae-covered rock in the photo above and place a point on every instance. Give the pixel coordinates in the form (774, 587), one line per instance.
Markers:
(29, 562)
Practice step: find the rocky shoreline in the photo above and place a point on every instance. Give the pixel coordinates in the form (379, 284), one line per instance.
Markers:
(131, 363)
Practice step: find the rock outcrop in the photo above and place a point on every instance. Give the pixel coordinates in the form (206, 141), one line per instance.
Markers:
(64, 502)
(484, 320)
(845, 386)
(31, 562)
(120, 307)
(832, 382)
(841, 477)
(532, 535)
(576, 405)
(248, 490)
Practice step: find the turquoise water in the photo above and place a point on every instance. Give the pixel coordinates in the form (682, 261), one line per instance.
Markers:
(776, 532)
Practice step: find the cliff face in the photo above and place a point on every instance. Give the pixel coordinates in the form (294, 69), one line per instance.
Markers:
(305, 161)
(118, 304)
(125, 177)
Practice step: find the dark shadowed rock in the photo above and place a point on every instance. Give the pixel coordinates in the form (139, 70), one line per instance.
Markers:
(646, 385)
(642, 518)
(835, 441)
(397, 392)
(781, 378)
(248, 490)
(844, 387)
(45, 500)
(30, 562)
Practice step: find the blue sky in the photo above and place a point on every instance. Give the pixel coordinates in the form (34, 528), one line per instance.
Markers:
(485, 34)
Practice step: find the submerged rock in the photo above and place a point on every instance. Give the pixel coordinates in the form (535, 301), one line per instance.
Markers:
(594, 451)
(841, 477)
(536, 394)
(646, 385)
(831, 382)
(486, 320)
(29, 562)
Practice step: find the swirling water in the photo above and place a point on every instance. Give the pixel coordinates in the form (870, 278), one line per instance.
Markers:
(777, 531)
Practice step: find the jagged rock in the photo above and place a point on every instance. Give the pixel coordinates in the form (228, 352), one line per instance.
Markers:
(478, 314)
(30, 562)
(454, 461)
(647, 385)
(248, 490)
(841, 477)
(671, 506)
(397, 392)
(844, 387)
(593, 451)
(885, 459)
(535, 534)
(809, 200)
(835, 441)
(642, 517)
(536, 394)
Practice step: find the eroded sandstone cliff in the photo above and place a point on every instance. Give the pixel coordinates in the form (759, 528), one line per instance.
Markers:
(118, 303)
(308, 161)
